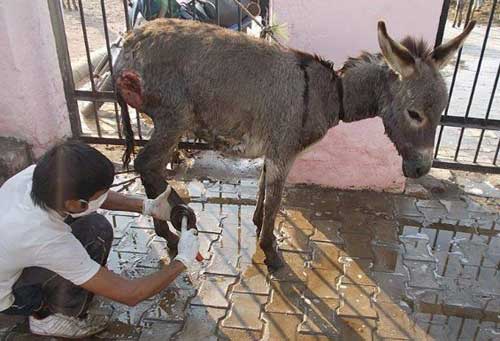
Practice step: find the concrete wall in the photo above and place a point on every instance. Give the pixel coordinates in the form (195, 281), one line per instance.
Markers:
(32, 103)
(356, 155)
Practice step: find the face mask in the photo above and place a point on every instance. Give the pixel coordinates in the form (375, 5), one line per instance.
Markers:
(92, 206)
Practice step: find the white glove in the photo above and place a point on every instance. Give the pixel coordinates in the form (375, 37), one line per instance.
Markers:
(188, 247)
(158, 208)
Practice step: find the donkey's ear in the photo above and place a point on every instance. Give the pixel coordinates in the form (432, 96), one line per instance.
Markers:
(397, 56)
(443, 53)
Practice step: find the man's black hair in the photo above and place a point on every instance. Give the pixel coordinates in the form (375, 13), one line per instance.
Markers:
(70, 171)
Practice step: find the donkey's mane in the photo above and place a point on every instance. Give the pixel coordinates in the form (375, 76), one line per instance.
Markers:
(325, 62)
(305, 59)
(417, 47)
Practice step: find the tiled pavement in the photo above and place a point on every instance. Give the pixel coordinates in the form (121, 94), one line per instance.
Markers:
(359, 266)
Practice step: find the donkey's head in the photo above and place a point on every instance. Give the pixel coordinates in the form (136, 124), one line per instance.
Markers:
(416, 96)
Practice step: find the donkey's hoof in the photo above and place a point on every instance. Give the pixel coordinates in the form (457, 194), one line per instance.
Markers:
(172, 242)
(172, 246)
(169, 174)
(274, 262)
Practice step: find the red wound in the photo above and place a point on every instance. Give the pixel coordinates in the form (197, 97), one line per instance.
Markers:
(129, 85)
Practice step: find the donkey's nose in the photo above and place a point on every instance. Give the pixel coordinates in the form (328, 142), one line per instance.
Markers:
(420, 171)
(415, 169)
(422, 168)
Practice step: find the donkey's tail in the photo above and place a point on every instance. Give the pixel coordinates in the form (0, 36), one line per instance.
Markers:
(127, 130)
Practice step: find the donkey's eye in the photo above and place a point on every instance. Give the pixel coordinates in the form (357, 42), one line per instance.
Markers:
(415, 116)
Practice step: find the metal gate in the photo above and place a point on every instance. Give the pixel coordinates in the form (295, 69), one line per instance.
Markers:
(469, 135)
(92, 105)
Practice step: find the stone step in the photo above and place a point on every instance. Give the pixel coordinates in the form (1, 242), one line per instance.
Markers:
(16, 155)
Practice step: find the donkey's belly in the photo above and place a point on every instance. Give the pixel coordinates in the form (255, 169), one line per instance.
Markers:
(245, 146)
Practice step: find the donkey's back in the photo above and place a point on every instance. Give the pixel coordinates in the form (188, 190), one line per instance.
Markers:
(206, 78)
(213, 72)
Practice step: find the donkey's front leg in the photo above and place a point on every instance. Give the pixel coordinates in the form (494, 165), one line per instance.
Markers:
(154, 183)
(151, 165)
(274, 183)
(258, 215)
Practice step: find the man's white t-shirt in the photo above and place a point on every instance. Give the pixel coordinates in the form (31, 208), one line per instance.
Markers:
(31, 236)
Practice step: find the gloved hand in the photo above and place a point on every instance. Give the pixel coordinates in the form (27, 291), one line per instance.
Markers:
(188, 247)
(158, 208)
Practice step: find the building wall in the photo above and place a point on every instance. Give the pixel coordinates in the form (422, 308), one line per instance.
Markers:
(32, 103)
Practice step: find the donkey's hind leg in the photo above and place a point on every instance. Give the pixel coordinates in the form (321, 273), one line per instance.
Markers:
(258, 215)
(151, 164)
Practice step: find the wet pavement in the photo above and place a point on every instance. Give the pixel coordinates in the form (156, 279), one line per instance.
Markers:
(359, 266)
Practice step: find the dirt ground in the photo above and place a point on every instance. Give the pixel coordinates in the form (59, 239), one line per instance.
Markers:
(481, 15)
(95, 26)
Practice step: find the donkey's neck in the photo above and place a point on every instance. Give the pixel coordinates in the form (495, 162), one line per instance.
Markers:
(364, 86)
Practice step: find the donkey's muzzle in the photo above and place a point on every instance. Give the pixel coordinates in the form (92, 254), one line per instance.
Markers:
(416, 168)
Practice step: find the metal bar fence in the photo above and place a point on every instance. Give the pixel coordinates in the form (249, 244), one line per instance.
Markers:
(478, 128)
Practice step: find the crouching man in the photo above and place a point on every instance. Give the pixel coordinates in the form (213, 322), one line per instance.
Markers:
(54, 247)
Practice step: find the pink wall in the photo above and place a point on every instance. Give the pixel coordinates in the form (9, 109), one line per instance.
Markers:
(32, 103)
(356, 155)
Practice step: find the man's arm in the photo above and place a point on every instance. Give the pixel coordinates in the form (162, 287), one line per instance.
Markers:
(158, 208)
(120, 202)
(132, 291)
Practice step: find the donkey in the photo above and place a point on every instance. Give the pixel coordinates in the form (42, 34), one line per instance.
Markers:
(459, 10)
(67, 5)
(259, 99)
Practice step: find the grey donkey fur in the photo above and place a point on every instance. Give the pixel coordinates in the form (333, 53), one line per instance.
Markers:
(266, 100)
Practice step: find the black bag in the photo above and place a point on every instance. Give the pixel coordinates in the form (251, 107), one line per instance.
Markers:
(151, 9)
(205, 10)
(202, 10)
